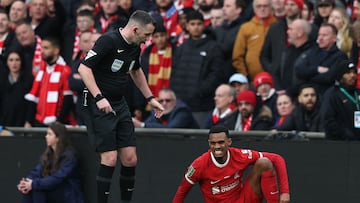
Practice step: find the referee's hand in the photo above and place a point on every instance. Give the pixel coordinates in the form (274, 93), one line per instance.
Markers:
(158, 108)
(104, 106)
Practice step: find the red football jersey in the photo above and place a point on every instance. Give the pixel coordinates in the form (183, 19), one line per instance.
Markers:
(221, 182)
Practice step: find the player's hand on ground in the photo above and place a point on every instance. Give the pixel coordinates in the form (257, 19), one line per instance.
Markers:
(104, 106)
(158, 108)
(285, 198)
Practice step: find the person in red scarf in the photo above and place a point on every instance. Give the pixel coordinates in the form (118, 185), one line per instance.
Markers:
(109, 17)
(156, 62)
(225, 103)
(250, 114)
(284, 105)
(50, 95)
(84, 23)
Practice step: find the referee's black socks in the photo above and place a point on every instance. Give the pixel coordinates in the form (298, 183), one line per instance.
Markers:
(103, 181)
(127, 182)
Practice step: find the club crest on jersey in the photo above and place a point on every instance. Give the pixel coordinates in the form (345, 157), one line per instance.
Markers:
(116, 65)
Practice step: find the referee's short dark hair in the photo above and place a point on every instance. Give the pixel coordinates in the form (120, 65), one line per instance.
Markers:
(142, 18)
(194, 15)
(219, 129)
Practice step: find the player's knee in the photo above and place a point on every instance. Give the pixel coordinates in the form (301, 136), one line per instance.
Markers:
(129, 161)
(109, 158)
(264, 164)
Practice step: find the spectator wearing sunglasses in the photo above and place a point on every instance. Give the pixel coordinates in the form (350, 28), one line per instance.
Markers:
(176, 114)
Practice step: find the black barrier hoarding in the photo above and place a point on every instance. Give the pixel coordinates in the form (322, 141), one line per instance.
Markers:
(319, 171)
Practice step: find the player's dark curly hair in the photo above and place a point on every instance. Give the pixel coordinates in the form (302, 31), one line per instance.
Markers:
(219, 129)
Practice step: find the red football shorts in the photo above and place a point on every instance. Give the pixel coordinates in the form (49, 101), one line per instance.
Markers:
(247, 195)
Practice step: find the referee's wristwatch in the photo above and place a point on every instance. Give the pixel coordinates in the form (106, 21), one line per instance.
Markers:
(150, 98)
(98, 97)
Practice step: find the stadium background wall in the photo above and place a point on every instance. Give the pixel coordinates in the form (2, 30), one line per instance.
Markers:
(319, 170)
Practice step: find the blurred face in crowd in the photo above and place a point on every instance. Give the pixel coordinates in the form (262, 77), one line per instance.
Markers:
(109, 6)
(217, 17)
(125, 4)
(206, 5)
(278, 4)
(38, 9)
(307, 98)
(13, 62)
(326, 37)
(51, 7)
(163, 4)
(84, 23)
(239, 87)
(306, 14)
(168, 100)
(94, 37)
(284, 105)
(4, 23)
(17, 11)
(263, 90)
(85, 41)
(357, 9)
(25, 35)
(245, 109)
(222, 98)
(349, 78)
(160, 40)
(231, 11)
(195, 28)
(336, 19)
(5, 3)
(292, 10)
(296, 31)
(262, 8)
(324, 10)
(182, 21)
(219, 144)
(49, 53)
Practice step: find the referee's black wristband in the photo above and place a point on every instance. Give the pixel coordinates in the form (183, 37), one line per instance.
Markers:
(150, 98)
(98, 97)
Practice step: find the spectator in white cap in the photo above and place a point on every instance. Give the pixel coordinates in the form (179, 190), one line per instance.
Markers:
(239, 82)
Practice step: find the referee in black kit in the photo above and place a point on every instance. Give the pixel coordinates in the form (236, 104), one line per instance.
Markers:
(107, 116)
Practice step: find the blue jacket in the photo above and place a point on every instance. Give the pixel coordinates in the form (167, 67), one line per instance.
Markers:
(179, 117)
(67, 174)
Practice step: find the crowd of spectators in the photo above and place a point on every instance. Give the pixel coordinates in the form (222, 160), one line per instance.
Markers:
(249, 64)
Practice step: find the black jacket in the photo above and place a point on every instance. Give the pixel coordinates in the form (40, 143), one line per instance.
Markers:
(302, 120)
(196, 72)
(338, 114)
(307, 66)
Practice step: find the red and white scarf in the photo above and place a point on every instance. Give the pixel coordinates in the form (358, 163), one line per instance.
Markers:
(246, 123)
(216, 116)
(37, 57)
(159, 69)
(105, 22)
(49, 88)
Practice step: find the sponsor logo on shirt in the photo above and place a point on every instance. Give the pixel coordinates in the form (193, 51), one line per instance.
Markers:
(216, 190)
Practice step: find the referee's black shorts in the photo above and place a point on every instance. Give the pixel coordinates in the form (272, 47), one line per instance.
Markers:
(108, 132)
